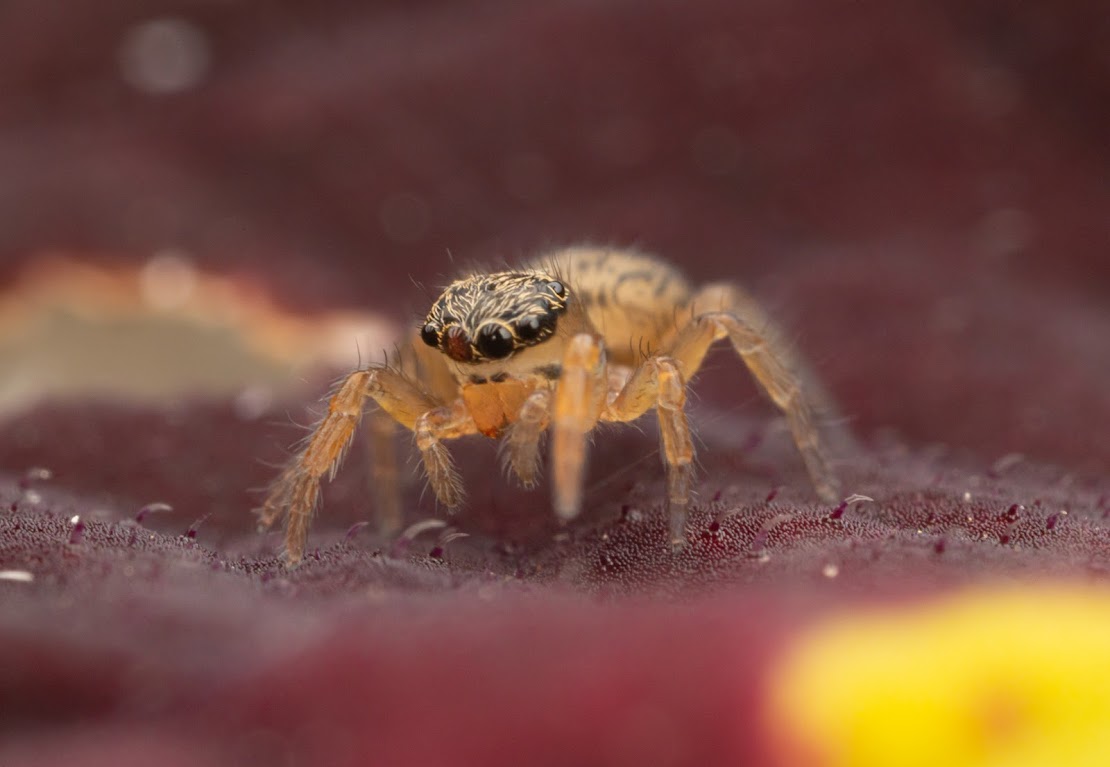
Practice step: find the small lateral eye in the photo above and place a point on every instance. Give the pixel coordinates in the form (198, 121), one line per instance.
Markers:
(495, 342)
(558, 288)
(430, 334)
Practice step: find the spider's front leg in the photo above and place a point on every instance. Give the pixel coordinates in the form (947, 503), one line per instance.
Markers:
(579, 399)
(431, 428)
(658, 383)
(521, 445)
(297, 490)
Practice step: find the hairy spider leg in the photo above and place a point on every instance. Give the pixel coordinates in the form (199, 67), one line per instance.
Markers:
(431, 428)
(385, 481)
(521, 444)
(297, 490)
(769, 364)
(579, 399)
(659, 383)
(733, 299)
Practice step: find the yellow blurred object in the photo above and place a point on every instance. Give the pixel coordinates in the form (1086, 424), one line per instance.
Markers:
(1006, 677)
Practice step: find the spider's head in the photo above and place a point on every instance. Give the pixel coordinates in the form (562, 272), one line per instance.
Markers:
(490, 317)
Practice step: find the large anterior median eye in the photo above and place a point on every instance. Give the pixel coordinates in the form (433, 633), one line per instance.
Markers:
(528, 328)
(494, 342)
(535, 326)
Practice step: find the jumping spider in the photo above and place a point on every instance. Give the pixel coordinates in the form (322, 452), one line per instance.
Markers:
(556, 344)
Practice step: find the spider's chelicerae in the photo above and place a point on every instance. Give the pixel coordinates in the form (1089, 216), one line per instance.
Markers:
(578, 336)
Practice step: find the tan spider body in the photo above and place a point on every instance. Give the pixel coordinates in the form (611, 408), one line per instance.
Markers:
(579, 336)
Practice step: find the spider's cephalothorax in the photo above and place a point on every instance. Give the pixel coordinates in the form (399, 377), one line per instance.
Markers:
(492, 316)
(584, 335)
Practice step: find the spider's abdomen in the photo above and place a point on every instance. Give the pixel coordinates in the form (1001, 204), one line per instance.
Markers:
(632, 299)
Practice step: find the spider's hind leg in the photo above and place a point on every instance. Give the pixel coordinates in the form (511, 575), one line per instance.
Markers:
(385, 477)
(723, 311)
(660, 384)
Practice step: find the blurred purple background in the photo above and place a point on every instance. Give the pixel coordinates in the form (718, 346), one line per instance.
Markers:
(920, 190)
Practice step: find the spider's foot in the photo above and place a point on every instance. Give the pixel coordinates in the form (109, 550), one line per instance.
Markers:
(828, 489)
(266, 517)
(677, 513)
